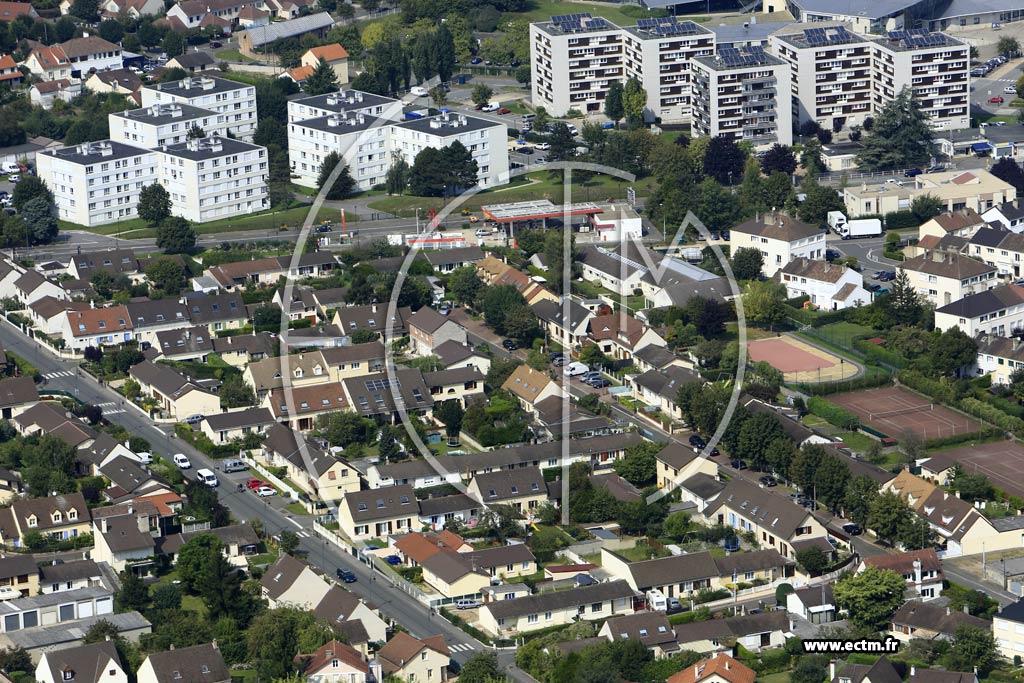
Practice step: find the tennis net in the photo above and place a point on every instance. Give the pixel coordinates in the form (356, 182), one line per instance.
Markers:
(901, 411)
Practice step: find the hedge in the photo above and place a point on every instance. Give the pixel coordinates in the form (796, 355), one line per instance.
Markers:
(817, 318)
(872, 377)
(833, 414)
(940, 390)
(874, 353)
(895, 220)
(984, 411)
(957, 439)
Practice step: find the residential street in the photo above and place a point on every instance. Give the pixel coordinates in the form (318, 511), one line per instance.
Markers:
(392, 602)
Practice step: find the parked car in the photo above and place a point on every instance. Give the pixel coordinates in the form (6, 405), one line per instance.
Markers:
(852, 529)
(738, 465)
(324, 228)
(216, 44)
(181, 461)
(393, 560)
(697, 441)
(509, 345)
(911, 172)
(14, 179)
(725, 235)
(419, 91)
(887, 276)
(1010, 90)
(525, 150)
(255, 484)
(600, 383)
(544, 146)
(346, 575)
(504, 110)
(995, 100)
(767, 481)
(265, 491)
(466, 603)
(445, 309)
(893, 181)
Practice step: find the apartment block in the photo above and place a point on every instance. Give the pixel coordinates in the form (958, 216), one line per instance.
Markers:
(659, 52)
(214, 177)
(485, 140)
(574, 58)
(351, 134)
(235, 101)
(743, 94)
(163, 124)
(934, 66)
(831, 75)
(344, 101)
(97, 182)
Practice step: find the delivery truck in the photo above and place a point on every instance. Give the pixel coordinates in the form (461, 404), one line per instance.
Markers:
(863, 227)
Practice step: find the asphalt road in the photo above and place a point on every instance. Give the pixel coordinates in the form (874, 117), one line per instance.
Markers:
(246, 506)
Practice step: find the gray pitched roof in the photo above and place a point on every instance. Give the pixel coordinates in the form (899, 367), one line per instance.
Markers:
(495, 487)
(553, 600)
(199, 664)
(84, 664)
(281, 575)
(779, 515)
(264, 35)
(673, 569)
(394, 501)
(931, 617)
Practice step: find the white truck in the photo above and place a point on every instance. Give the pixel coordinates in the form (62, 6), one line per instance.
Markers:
(862, 227)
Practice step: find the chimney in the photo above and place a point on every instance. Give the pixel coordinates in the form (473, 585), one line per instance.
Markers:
(831, 669)
(172, 646)
(947, 611)
(917, 578)
(913, 670)
(214, 644)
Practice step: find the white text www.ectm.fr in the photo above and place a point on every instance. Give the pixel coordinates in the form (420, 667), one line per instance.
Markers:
(887, 646)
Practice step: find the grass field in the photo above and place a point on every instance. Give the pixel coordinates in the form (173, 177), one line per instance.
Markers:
(537, 185)
(856, 441)
(543, 10)
(137, 228)
(232, 56)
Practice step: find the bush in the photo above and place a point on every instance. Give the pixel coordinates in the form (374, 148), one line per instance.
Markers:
(872, 377)
(896, 220)
(956, 439)
(833, 414)
(876, 354)
(984, 411)
(938, 389)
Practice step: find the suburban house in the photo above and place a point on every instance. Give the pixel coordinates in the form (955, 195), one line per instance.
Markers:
(17, 394)
(568, 331)
(682, 576)
(96, 327)
(354, 360)
(197, 664)
(660, 388)
(998, 357)
(773, 519)
(816, 604)
(998, 311)
(378, 513)
(415, 660)
(523, 489)
(93, 663)
(650, 628)
(335, 662)
(429, 329)
(255, 40)
(675, 463)
(531, 386)
(447, 260)
(718, 669)
(942, 277)
(192, 62)
(620, 335)
(780, 239)
(293, 582)
(454, 356)
(755, 632)
(178, 397)
(300, 407)
(921, 570)
(334, 54)
(226, 427)
(19, 576)
(1008, 215)
(318, 473)
(341, 609)
(998, 247)
(828, 286)
(917, 619)
(962, 223)
(454, 576)
(63, 517)
(459, 384)
(533, 612)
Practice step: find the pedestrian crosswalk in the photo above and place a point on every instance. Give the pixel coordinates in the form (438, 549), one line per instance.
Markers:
(460, 647)
(62, 373)
(111, 408)
(303, 534)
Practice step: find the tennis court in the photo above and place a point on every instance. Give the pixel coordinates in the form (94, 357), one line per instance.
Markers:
(896, 411)
(1000, 461)
(799, 361)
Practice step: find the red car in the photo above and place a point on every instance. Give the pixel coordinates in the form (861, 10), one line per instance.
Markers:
(506, 110)
(255, 483)
(995, 100)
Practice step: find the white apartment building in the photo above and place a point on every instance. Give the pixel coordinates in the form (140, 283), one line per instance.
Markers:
(1008, 630)
(344, 101)
(998, 311)
(780, 239)
(743, 94)
(214, 177)
(235, 101)
(97, 182)
(831, 74)
(351, 134)
(935, 66)
(658, 53)
(485, 140)
(163, 124)
(574, 58)
(943, 277)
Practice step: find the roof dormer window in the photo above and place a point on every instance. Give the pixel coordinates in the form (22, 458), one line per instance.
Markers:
(32, 521)
(56, 516)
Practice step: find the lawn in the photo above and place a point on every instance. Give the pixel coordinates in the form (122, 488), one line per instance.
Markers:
(188, 602)
(543, 10)
(856, 441)
(262, 560)
(781, 677)
(843, 333)
(232, 56)
(136, 228)
(296, 508)
(641, 551)
(538, 185)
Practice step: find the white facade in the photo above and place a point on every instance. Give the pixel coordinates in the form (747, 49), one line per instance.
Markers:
(342, 102)
(998, 311)
(97, 182)
(235, 101)
(574, 62)
(780, 239)
(660, 57)
(938, 75)
(163, 124)
(831, 78)
(485, 140)
(830, 287)
(214, 177)
(748, 103)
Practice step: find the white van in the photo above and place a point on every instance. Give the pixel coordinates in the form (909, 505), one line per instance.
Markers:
(233, 465)
(577, 369)
(181, 461)
(207, 477)
(419, 91)
(491, 106)
(11, 167)
(144, 458)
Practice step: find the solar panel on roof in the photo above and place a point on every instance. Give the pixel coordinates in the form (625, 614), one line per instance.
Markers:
(647, 23)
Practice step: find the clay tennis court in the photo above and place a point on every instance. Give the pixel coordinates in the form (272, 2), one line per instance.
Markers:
(896, 411)
(798, 361)
(1000, 461)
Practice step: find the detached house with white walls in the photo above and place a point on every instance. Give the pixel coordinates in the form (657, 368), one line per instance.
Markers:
(829, 286)
(780, 239)
(921, 570)
(998, 311)
(943, 277)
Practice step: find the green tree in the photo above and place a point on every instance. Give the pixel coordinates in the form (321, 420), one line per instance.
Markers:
(450, 413)
(870, 597)
(778, 158)
(388, 448)
(1007, 46)
(819, 200)
(111, 30)
(717, 207)
(344, 184)
(972, 486)
(951, 351)
(134, 595)
(812, 560)
(831, 479)
(810, 669)
(323, 80)
(764, 303)
(464, 285)
(924, 207)
(289, 542)
(858, 500)
(634, 99)
(900, 137)
(65, 29)
(86, 10)
(166, 596)
(777, 189)
(973, 647)
(40, 220)
(166, 274)
(173, 44)
(235, 393)
(195, 132)
(28, 189)
(273, 639)
(639, 466)
(1007, 169)
(804, 466)
(396, 182)
(747, 263)
(614, 107)
(724, 160)
(887, 516)
(903, 305)
(756, 435)
(482, 93)
(481, 668)
(562, 141)
(194, 558)
(175, 235)
(496, 304)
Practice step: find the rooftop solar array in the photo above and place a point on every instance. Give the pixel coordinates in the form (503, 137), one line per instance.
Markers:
(750, 56)
(906, 33)
(574, 23)
(834, 35)
(382, 384)
(668, 26)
